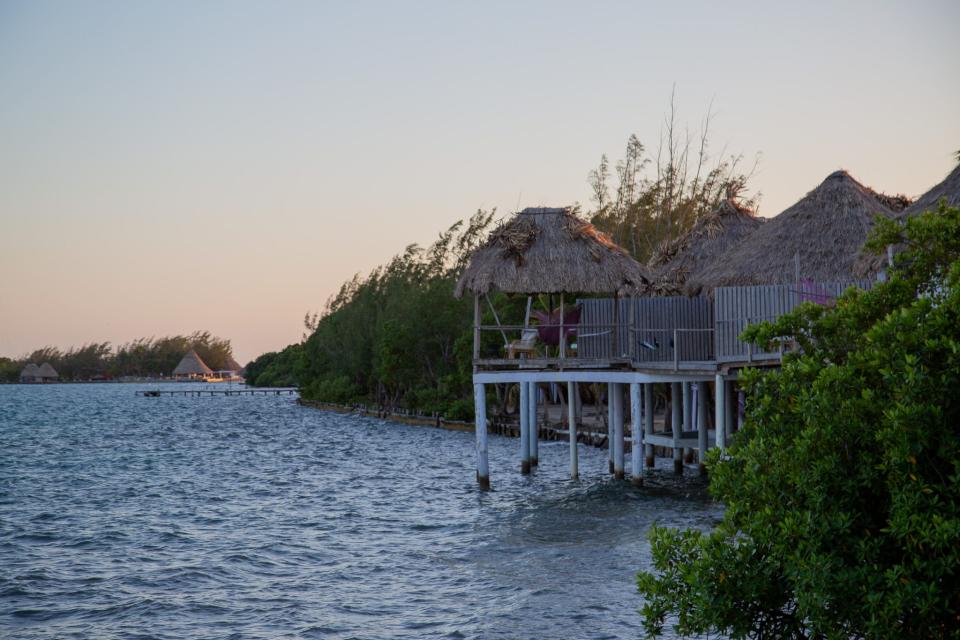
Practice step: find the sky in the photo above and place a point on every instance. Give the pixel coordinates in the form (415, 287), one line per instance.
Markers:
(172, 166)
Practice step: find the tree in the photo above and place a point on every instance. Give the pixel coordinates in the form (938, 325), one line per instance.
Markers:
(659, 197)
(842, 491)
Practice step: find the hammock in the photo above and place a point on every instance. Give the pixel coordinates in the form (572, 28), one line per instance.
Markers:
(549, 327)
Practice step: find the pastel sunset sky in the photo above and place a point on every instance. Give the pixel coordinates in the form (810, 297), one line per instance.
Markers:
(171, 166)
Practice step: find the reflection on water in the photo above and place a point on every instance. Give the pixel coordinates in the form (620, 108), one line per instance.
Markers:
(253, 517)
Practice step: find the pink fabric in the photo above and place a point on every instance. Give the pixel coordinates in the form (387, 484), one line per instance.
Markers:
(550, 335)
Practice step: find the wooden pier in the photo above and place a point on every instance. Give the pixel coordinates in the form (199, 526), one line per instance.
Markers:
(156, 393)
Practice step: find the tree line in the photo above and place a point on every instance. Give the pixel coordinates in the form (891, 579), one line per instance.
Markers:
(143, 357)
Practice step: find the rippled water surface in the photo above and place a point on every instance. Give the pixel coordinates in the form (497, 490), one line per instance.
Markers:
(252, 517)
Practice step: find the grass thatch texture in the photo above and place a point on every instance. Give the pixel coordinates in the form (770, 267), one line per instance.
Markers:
(826, 228)
(551, 251)
(709, 239)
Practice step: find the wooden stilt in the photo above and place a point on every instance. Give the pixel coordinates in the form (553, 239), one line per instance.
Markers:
(720, 411)
(636, 439)
(480, 414)
(648, 421)
(702, 440)
(687, 419)
(571, 414)
(676, 405)
(610, 429)
(524, 428)
(534, 430)
(618, 471)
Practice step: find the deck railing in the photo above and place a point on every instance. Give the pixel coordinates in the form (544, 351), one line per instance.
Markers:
(664, 332)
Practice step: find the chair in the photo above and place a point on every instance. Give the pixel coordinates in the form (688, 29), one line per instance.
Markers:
(527, 344)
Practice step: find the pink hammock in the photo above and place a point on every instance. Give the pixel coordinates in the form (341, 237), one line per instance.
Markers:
(550, 335)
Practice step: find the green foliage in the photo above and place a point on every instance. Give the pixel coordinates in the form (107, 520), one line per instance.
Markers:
(842, 491)
(141, 357)
(397, 338)
(658, 197)
(276, 369)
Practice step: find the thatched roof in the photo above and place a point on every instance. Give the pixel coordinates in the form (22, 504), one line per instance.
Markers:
(46, 370)
(827, 228)
(191, 364)
(949, 188)
(231, 365)
(30, 371)
(711, 237)
(551, 251)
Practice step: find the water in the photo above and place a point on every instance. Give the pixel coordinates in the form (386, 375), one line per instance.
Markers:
(252, 517)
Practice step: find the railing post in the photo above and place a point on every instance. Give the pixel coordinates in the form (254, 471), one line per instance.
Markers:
(676, 350)
(563, 346)
(476, 327)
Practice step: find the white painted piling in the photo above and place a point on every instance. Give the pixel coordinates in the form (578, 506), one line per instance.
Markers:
(676, 402)
(618, 471)
(524, 428)
(636, 441)
(702, 440)
(610, 429)
(572, 418)
(687, 417)
(480, 416)
(648, 421)
(720, 411)
(534, 429)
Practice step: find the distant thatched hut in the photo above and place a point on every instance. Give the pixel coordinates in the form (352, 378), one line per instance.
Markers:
(30, 373)
(192, 367)
(709, 239)
(47, 373)
(551, 250)
(949, 188)
(826, 230)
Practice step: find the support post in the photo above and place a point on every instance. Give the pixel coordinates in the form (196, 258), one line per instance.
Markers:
(687, 419)
(676, 402)
(636, 441)
(524, 428)
(720, 411)
(610, 420)
(571, 415)
(480, 417)
(618, 471)
(741, 408)
(534, 430)
(648, 421)
(702, 440)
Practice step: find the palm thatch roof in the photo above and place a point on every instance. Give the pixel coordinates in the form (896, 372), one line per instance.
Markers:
(949, 188)
(191, 364)
(551, 250)
(710, 238)
(30, 371)
(826, 228)
(230, 364)
(46, 370)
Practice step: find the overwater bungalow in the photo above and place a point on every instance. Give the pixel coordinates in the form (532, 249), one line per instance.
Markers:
(192, 368)
(709, 239)
(43, 373)
(600, 323)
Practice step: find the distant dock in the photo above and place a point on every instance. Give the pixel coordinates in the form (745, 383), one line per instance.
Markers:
(156, 393)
